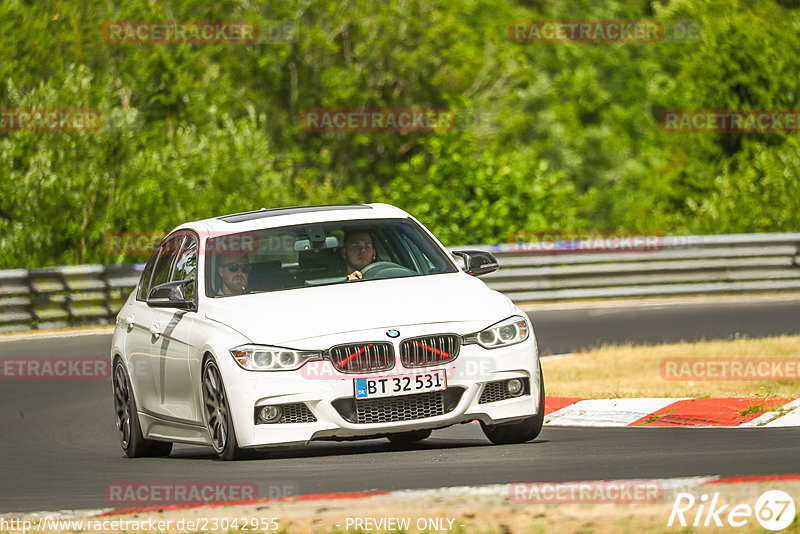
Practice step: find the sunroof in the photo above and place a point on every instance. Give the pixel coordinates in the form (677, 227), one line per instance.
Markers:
(252, 215)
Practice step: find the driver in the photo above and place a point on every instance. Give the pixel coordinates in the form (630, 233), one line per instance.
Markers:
(357, 252)
(235, 272)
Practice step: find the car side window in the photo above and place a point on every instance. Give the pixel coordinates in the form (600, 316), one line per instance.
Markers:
(167, 253)
(147, 273)
(186, 266)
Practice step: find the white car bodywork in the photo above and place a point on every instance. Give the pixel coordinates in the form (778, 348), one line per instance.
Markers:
(163, 349)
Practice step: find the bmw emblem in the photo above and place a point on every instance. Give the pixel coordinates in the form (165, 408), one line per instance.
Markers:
(393, 333)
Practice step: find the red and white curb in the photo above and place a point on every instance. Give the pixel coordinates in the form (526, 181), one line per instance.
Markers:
(673, 412)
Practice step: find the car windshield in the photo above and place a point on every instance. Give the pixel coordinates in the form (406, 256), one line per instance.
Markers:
(325, 253)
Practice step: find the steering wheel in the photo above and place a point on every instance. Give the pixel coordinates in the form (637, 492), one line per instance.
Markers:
(385, 269)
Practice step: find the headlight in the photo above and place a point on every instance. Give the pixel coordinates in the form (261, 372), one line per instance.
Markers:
(512, 330)
(264, 358)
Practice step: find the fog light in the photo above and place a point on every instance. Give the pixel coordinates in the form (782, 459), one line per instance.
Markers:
(269, 414)
(514, 387)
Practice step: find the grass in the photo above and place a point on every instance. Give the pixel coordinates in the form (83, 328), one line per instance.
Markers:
(654, 418)
(637, 371)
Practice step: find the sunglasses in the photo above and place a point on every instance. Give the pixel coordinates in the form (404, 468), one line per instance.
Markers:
(234, 267)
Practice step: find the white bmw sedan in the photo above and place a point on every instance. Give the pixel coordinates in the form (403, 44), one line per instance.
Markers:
(282, 326)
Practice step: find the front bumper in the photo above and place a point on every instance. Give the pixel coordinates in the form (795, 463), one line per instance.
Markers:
(329, 398)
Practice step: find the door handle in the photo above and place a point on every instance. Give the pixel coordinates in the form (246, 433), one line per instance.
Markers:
(155, 329)
(129, 320)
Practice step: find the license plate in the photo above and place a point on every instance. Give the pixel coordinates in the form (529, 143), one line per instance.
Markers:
(389, 386)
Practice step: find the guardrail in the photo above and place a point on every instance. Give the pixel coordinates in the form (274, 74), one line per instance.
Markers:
(64, 296)
(646, 266)
(533, 271)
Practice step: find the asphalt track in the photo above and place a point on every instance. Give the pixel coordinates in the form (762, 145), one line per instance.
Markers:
(59, 447)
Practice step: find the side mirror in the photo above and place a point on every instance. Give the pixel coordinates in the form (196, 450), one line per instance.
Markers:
(477, 262)
(171, 295)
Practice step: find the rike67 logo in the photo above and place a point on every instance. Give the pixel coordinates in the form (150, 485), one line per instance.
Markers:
(774, 510)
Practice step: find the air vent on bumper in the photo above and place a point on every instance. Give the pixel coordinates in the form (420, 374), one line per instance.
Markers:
(402, 408)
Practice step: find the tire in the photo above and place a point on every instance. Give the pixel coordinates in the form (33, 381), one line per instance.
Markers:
(217, 414)
(409, 437)
(128, 427)
(520, 431)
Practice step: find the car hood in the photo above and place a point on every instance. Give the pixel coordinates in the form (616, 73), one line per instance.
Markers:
(282, 317)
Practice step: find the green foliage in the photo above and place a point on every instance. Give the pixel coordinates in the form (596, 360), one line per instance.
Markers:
(570, 141)
(473, 194)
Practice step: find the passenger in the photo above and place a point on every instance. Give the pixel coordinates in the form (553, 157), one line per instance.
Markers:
(357, 252)
(235, 273)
